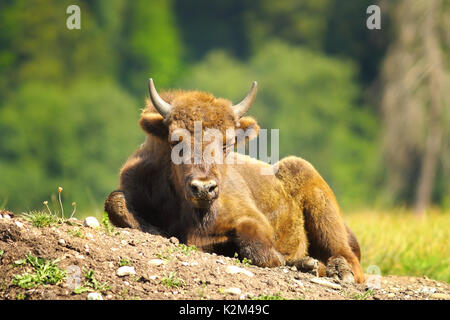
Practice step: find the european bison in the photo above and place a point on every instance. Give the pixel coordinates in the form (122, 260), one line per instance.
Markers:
(276, 219)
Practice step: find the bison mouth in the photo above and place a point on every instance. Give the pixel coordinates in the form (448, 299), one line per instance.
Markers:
(201, 204)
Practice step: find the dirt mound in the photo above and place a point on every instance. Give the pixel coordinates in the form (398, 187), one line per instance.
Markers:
(67, 260)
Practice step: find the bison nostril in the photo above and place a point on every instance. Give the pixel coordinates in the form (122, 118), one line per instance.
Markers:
(195, 190)
(212, 188)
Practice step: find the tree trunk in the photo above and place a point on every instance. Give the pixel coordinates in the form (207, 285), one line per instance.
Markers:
(433, 143)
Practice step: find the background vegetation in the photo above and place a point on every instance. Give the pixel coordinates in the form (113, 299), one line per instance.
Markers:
(369, 108)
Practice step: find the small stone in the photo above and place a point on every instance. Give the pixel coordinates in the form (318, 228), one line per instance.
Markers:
(294, 268)
(391, 295)
(440, 296)
(114, 249)
(126, 283)
(326, 283)
(234, 270)
(220, 261)
(298, 282)
(89, 235)
(125, 271)
(153, 277)
(94, 296)
(175, 292)
(233, 291)
(19, 224)
(79, 256)
(124, 242)
(1, 217)
(62, 242)
(91, 222)
(156, 262)
(7, 216)
(174, 240)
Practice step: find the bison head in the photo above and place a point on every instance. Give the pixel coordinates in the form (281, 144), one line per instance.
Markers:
(199, 132)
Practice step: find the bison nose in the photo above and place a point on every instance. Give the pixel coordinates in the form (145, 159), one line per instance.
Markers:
(204, 189)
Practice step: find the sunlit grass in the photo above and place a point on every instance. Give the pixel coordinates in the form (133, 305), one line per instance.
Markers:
(400, 243)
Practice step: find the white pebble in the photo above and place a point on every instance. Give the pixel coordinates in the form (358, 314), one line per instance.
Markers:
(234, 270)
(94, 296)
(91, 222)
(156, 262)
(19, 224)
(79, 256)
(233, 291)
(62, 242)
(7, 216)
(326, 283)
(125, 271)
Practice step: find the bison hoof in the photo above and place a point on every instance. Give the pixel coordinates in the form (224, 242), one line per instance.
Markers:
(308, 264)
(339, 269)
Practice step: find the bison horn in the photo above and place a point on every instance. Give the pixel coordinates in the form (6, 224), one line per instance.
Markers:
(242, 107)
(163, 107)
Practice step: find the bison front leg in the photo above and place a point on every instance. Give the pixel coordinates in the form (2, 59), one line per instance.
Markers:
(121, 216)
(255, 243)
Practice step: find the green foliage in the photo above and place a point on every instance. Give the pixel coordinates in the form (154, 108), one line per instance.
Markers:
(152, 53)
(124, 262)
(399, 243)
(276, 296)
(314, 102)
(171, 281)
(109, 228)
(69, 99)
(51, 136)
(44, 272)
(187, 250)
(41, 219)
(91, 284)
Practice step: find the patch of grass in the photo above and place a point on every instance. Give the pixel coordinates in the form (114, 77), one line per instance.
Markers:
(76, 232)
(1, 253)
(399, 243)
(109, 228)
(362, 296)
(43, 272)
(187, 250)
(277, 296)
(91, 284)
(124, 262)
(42, 219)
(171, 281)
(245, 262)
(165, 257)
(21, 296)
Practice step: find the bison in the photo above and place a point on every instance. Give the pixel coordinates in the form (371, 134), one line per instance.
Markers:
(290, 217)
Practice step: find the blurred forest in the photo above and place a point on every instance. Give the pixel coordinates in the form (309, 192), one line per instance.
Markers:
(368, 108)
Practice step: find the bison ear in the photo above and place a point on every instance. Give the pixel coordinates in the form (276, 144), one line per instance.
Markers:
(153, 123)
(250, 127)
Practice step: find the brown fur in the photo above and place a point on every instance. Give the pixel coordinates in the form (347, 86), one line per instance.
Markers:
(270, 219)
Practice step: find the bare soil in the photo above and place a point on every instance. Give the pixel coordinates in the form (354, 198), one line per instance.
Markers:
(165, 269)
